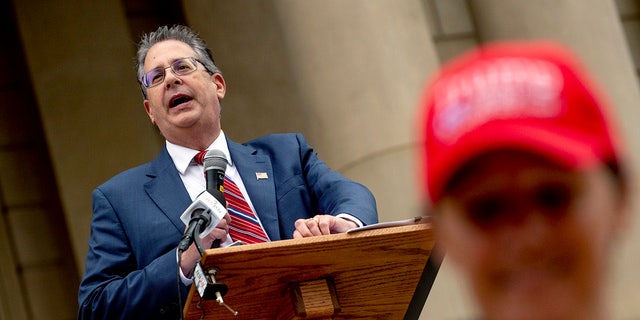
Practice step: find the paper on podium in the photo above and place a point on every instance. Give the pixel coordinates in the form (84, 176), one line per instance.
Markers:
(396, 223)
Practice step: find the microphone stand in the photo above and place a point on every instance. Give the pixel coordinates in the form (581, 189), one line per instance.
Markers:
(205, 280)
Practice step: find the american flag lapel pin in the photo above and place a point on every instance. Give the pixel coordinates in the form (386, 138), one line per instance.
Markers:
(261, 176)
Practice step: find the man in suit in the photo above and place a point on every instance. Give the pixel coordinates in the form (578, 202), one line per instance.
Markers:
(132, 266)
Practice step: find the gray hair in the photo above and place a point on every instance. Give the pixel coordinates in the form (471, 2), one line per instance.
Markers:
(175, 32)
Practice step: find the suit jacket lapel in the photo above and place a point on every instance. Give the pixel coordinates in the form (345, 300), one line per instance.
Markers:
(252, 167)
(167, 190)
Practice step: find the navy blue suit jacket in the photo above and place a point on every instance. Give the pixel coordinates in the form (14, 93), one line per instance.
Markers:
(131, 266)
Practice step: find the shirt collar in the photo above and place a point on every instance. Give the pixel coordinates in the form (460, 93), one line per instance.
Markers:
(182, 156)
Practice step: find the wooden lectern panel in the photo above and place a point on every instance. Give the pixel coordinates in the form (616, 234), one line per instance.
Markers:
(375, 273)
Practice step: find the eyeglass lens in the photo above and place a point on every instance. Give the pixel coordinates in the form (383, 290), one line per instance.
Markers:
(179, 67)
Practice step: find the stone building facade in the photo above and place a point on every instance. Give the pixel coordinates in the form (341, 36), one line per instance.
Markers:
(346, 73)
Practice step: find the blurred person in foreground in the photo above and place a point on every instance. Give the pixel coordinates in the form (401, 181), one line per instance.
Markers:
(526, 179)
(276, 188)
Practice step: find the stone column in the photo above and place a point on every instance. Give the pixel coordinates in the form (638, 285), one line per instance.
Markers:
(349, 74)
(80, 57)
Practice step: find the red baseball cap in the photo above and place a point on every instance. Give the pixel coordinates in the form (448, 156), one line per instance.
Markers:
(530, 96)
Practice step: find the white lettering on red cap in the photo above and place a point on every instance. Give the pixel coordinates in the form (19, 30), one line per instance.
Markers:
(506, 88)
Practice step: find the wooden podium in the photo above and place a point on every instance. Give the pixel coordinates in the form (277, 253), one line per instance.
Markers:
(366, 274)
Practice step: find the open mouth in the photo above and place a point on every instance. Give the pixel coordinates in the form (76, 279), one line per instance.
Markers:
(178, 100)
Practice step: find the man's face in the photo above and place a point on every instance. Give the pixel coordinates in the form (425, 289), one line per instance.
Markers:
(183, 107)
(531, 237)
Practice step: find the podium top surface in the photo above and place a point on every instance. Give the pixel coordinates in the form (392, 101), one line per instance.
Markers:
(375, 272)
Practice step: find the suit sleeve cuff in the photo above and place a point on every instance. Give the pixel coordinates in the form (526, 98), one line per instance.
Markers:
(186, 281)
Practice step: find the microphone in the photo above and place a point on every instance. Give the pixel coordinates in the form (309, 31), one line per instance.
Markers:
(215, 165)
(201, 216)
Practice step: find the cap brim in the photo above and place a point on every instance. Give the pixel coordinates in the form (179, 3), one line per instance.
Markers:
(568, 149)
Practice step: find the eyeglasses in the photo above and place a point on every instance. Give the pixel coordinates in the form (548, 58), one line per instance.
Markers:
(179, 67)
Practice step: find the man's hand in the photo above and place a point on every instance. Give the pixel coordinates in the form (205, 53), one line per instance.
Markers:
(192, 255)
(320, 225)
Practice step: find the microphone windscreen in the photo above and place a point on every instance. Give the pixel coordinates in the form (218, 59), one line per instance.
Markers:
(215, 159)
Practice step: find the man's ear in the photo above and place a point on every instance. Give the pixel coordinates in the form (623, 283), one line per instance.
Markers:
(221, 86)
(147, 108)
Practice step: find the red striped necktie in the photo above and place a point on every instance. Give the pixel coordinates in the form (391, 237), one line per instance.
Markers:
(244, 225)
